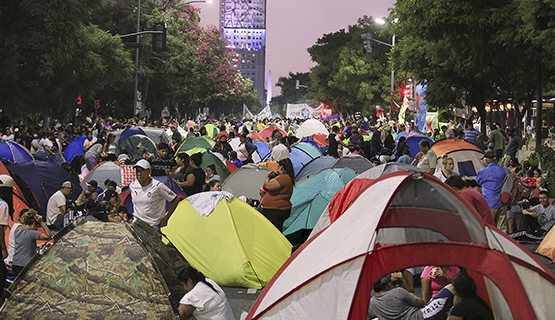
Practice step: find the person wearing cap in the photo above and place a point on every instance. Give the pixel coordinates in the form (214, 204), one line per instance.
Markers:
(388, 141)
(149, 198)
(56, 208)
(491, 179)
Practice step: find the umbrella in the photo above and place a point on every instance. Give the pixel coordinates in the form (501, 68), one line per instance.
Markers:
(14, 152)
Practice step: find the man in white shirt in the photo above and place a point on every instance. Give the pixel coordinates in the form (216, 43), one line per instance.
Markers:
(280, 150)
(56, 208)
(426, 157)
(149, 198)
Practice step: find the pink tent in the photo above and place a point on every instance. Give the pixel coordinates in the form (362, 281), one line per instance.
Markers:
(404, 220)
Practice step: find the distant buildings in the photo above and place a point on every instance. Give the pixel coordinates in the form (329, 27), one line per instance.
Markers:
(244, 26)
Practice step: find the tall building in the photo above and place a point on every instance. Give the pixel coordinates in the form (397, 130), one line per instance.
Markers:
(244, 27)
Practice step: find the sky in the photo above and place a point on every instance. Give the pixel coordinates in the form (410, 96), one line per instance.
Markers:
(292, 26)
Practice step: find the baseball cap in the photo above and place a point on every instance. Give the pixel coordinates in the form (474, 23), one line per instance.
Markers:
(490, 154)
(142, 164)
(92, 183)
(67, 184)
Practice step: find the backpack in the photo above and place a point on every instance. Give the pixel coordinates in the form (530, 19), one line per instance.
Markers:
(510, 189)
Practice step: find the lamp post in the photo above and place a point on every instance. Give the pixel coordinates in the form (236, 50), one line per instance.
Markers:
(136, 95)
(392, 45)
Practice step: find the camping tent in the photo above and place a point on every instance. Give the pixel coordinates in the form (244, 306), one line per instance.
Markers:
(355, 162)
(346, 196)
(156, 134)
(211, 130)
(104, 170)
(246, 181)
(44, 179)
(267, 132)
(314, 166)
(311, 127)
(211, 158)
(75, 148)
(14, 152)
(394, 225)
(262, 148)
(467, 157)
(135, 143)
(413, 140)
(196, 142)
(312, 195)
(128, 132)
(308, 148)
(231, 242)
(256, 156)
(98, 271)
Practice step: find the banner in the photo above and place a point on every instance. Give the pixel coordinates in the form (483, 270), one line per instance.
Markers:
(403, 111)
(421, 107)
(265, 113)
(302, 111)
(247, 113)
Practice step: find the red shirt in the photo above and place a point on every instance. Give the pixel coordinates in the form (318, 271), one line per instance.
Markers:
(477, 200)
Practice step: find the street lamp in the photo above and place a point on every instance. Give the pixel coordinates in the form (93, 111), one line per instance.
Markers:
(382, 22)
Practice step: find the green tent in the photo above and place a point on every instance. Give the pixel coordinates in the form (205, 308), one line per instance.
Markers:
(208, 157)
(312, 195)
(211, 130)
(196, 142)
(136, 145)
(98, 270)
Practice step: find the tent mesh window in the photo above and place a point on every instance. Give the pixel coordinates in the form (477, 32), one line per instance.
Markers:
(423, 210)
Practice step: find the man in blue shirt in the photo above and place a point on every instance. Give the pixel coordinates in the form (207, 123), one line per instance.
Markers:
(491, 179)
(470, 134)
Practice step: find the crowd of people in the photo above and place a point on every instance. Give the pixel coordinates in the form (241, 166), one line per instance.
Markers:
(442, 286)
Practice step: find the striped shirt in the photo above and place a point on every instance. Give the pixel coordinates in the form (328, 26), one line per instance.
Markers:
(471, 135)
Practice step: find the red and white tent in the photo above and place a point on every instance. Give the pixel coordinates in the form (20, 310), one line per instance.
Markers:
(404, 220)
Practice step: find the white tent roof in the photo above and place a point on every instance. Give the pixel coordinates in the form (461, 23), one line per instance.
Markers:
(311, 127)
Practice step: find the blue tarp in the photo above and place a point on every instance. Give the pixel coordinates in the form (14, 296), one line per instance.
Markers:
(75, 148)
(45, 178)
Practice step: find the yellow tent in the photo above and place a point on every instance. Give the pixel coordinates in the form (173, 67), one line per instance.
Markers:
(234, 244)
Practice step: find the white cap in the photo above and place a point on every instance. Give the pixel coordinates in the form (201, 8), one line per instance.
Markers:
(142, 164)
(6, 180)
(67, 184)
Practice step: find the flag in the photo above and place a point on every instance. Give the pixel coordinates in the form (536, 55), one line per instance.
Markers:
(421, 107)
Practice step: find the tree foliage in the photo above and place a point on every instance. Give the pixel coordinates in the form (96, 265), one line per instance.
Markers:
(345, 77)
(289, 92)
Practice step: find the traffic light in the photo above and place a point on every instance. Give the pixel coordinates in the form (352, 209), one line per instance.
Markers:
(79, 99)
(159, 39)
(367, 39)
(97, 104)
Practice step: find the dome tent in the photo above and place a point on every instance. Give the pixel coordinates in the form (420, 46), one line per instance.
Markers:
(210, 158)
(368, 242)
(466, 156)
(135, 144)
(246, 181)
(311, 127)
(231, 243)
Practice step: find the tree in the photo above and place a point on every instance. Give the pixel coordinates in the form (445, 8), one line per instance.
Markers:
(50, 53)
(344, 76)
(289, 92)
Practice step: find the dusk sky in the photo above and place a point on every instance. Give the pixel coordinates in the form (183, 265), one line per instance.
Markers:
(294, 25)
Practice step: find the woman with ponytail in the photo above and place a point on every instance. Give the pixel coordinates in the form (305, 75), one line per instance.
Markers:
(471, 306)
(204, 298)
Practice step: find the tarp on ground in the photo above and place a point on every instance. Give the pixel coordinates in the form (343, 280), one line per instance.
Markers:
(208, 157)
(311, 127)
(246, 181)
(14, 152)
(135, 143)
(233, 244)
(74, 148)
(466, 156)
(97, 271)
(196, 142)
(311, 197)
(44, 178)
(391, 226)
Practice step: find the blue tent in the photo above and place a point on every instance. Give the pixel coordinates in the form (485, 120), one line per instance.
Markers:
(311, 197)
(263, 149)
(131, 131)
(308, 148)
(414, 140)
(75, 148)
(165, 180)
(44, 178)
(14, 152)
(299, 158)
(314, 166)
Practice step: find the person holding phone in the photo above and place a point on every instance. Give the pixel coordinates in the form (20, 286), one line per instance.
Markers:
(435, 278)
